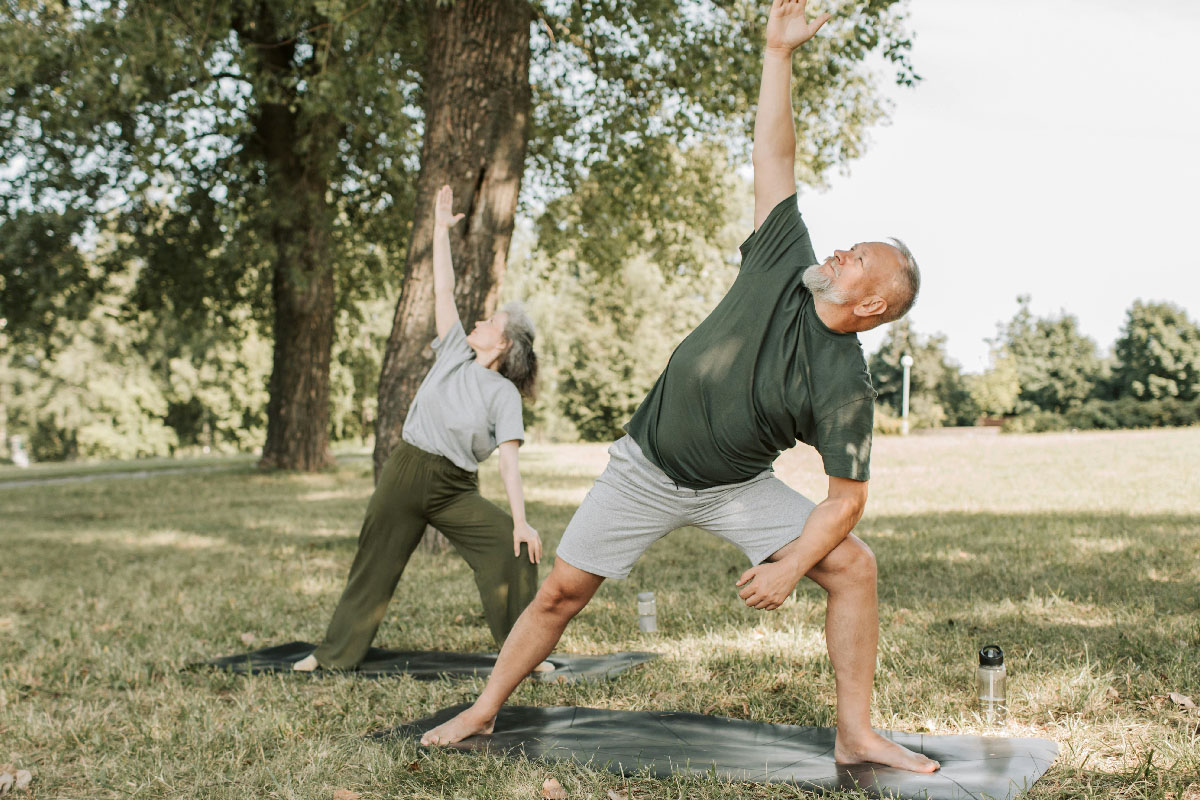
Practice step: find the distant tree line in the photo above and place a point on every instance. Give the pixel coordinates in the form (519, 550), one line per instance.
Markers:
(1045, 375)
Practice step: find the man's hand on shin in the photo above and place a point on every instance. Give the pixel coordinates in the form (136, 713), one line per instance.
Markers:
(768, 585)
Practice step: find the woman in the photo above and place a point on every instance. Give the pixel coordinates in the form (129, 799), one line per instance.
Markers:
(468, 405)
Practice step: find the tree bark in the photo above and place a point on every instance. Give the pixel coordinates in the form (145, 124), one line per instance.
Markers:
(476, 130)
(298, 408)
(304, 293)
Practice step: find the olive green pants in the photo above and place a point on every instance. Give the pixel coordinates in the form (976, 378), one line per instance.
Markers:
(415, 489)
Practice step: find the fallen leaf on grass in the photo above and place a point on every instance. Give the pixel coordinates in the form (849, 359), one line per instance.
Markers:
(414, 766)
(613, 794)
(1181, 700)
(12, 778)
(247, 639)
(345, 794)
(553, 790)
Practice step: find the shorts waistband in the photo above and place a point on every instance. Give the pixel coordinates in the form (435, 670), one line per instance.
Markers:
(632, 450)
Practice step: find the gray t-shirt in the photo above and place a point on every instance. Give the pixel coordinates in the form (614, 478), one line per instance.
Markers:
(463, 410)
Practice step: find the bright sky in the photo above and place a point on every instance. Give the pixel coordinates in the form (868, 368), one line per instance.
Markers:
(1052, 149)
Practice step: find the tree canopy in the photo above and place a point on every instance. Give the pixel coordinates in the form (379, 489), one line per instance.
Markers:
(1158, 353)
(1057, 366)
(265, 164)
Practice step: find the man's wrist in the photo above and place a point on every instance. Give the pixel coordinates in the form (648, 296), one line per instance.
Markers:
(793, 568)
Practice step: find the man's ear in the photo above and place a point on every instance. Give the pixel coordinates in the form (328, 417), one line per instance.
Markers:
(870, 306)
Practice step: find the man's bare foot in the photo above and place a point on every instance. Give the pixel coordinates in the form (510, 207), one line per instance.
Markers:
(468, 723)
(306, 664)
(878, 750)
(545, 666)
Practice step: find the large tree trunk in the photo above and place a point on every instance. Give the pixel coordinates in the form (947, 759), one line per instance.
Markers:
(298, 409)
(304, 294)
(476, 129)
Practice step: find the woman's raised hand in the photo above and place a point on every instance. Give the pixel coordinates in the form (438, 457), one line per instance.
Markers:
(443, 208)
(788, 26)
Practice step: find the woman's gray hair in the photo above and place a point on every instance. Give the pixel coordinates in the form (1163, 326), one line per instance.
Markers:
(519, 363)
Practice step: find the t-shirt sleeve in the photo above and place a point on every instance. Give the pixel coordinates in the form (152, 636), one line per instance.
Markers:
(506, 412)
(781, 239)
(844, 439)
(453, 345)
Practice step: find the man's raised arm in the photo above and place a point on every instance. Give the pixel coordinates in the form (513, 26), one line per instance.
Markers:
(774, 131)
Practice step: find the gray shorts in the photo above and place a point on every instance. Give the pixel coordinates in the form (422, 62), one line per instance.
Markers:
(633, 504)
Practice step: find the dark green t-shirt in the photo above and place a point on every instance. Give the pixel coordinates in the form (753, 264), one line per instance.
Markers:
(761, 372)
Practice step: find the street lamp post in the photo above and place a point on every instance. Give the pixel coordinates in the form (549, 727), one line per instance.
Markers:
(906, 361)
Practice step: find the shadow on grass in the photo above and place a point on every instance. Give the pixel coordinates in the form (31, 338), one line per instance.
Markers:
(975, 558)
(1089, 574)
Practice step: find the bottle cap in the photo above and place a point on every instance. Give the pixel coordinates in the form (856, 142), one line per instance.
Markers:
(991, 656)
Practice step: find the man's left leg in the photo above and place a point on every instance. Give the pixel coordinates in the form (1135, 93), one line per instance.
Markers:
(848, 575)
(764, 517)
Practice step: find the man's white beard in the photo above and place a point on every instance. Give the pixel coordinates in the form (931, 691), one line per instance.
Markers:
(821, 285)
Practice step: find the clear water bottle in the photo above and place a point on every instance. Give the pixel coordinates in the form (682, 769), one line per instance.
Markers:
(647, 612)
(989, 683)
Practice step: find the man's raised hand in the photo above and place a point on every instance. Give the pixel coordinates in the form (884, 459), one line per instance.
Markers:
(788, 26)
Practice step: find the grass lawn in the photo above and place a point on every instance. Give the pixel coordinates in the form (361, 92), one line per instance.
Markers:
(1078, 553)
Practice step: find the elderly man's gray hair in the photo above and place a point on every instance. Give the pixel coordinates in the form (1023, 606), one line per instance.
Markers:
(907, 285)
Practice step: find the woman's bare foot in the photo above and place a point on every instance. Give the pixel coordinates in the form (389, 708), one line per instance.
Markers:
(468, 723)
(306, 664)
(878, 750)
(545, 666)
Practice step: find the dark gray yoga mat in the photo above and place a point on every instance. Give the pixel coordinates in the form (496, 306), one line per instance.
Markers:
(428, 664)
(666, 743)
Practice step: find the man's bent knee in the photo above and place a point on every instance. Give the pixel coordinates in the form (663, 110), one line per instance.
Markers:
(852, 560)
(566, 590)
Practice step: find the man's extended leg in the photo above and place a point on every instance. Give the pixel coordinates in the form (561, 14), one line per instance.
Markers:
(564, 594)
(631, 506)
(852, 636)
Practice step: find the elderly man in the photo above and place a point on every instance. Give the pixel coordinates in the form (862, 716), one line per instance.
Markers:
(777, 360)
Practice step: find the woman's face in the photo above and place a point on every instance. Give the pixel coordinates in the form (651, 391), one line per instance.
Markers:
(488, 334)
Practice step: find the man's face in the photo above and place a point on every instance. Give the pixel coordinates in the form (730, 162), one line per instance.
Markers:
(848, 276)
